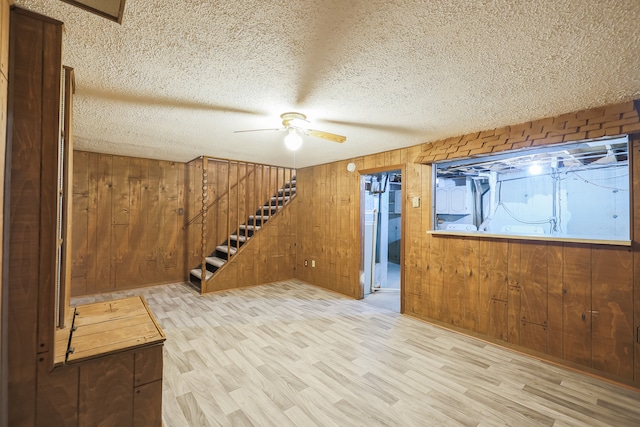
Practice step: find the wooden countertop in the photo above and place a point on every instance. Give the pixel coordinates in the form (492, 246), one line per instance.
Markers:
(108, 327)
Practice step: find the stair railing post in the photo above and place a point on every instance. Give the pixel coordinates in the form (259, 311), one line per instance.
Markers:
(284, 180)
(229, 211)
(262, 192)
(255, 191)
(238, 205)
(289, 181)
(270, 192)
(205, 208)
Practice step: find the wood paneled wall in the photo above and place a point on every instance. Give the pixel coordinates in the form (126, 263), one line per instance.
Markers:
(576, 304)
(328, 211)
(128, 215)
(129, 218)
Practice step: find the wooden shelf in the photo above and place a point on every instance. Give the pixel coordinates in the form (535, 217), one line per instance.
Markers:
(542, 237)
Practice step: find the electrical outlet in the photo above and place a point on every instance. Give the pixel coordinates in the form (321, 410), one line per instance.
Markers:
(313, 263)
(306, 263)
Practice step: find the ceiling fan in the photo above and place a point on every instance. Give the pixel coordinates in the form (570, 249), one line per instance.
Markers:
(296, 124)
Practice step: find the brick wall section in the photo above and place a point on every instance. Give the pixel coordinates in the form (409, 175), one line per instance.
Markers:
(617, 119)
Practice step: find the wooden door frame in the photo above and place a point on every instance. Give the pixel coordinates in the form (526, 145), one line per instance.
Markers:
(360, 226)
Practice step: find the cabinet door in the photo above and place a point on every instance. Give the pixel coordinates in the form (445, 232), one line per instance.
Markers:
(106, 392)
(442, 201)
(458, 200)
(147, 405)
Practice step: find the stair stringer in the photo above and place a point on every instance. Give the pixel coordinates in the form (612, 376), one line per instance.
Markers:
(269, 256)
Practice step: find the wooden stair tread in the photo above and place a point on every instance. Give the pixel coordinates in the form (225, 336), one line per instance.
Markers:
(215, 261)
(250, 227)
(225, 248)
(198, 273)
(239, 238)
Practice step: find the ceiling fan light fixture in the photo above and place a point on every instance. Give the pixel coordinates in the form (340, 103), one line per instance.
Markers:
(293, 140)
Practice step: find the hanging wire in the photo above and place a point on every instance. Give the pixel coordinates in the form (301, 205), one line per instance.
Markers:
(598, 185)
(512, 215)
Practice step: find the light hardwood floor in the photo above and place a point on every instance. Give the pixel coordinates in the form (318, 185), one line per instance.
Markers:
(291, 354)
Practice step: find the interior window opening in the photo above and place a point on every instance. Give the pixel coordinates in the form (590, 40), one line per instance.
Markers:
(578, 190)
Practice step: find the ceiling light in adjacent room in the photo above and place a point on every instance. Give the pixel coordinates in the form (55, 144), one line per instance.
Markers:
(293, 140)
(535, 169)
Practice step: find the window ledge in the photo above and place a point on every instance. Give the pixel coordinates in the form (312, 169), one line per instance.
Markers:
(542, 238)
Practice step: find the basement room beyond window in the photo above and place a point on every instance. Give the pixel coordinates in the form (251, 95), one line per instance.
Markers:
(569, 191)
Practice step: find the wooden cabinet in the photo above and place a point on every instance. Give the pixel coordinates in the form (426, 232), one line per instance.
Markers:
(31, 200)
(114, 375)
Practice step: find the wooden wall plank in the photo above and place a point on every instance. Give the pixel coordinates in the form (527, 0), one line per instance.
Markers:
(425, 190)
(514, 295)
(498, 320)
(150, 174)
(169, 224)
(120, 253)
(454, 281)
(471, 261)
(577, 304)
(533, 282)
(92, 227)
(104, 261)
(435, 302)
(80, 223)
(120, 190)
(612, 311)
(484, 285)
(332, 222)
(555, 299)
(514, 299)
(130, 271)
(499, 269)
(533, 336)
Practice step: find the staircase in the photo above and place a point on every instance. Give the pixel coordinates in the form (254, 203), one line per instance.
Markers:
(227, 249)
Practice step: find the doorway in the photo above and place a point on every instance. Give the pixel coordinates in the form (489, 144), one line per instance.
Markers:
(381, 222)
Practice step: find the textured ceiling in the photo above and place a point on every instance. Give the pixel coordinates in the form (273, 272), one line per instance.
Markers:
(177, 78)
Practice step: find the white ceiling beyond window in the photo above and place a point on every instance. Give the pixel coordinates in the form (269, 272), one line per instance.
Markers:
(177, 78)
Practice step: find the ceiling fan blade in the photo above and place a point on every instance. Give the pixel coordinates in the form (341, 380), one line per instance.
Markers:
(326, 135)
(299, 123)
(256, 130)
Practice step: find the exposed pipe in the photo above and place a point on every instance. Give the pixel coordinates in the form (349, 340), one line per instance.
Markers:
(478, 192)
